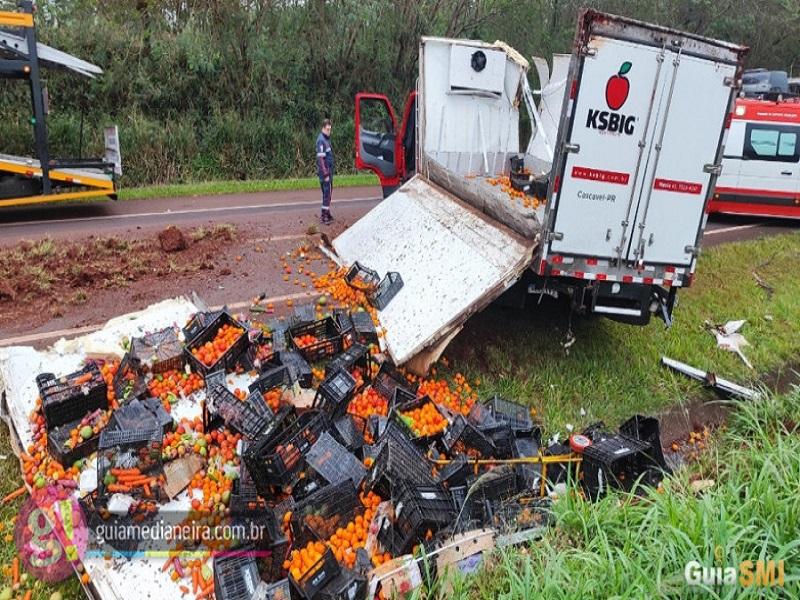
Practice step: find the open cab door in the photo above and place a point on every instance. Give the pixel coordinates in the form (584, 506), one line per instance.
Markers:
(380, 146)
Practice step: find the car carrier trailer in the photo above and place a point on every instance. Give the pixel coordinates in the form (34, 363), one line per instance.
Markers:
(42, 178)
(622, 190)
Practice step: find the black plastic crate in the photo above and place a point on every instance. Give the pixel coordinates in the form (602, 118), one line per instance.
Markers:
(514, 415)
(517, 515)
(502, 436)
(498, 484)
(356, 356)
(328, 340)
(163, 418)
(388, 379)
(272, 377)
(365, 330)
(348, 585)
(299, 369)
(528, 475)
(277, 336)
(481, 416)
(136, 415)
(418, 510)
(421, 440)
(126, 449)
(200, 321)
(65, 400)
(648, 430)
(402, 396)
(317, 577)
(398, 462)
(319, 515)
(616, 461)
(235, 575)
(236, 414)
(456, 472)
(244, 500)
(386, 291)
(335, 392)
(346, 327)
(160, 351)
(258, 403)
(215, 378)
(463, 438)
(230, 357)
(349, 431)
(280, 590)
(333, 462)
(128, 381)
(59, 445)
(362, 278)
(277, 459)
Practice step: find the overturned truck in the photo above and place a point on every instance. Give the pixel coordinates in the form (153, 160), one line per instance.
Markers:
(606, 204)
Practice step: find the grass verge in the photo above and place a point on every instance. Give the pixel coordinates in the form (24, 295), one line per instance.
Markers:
(613, 370)
(212, 188)
(638, 547)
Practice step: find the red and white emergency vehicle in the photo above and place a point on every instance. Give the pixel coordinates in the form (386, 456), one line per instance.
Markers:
(761, 164)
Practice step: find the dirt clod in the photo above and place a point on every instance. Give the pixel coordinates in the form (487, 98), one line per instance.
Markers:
(6, 292)
(172, 239)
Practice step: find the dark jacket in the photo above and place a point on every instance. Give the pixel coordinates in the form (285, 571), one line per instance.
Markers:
(325, 164)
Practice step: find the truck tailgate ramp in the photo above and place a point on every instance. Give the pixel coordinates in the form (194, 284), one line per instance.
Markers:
(453, 259)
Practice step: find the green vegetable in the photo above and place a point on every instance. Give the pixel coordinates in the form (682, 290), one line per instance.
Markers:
(226, 496)
(323, 300)
(56, 596)
(5, 594)
(109, 479)
(86, 432)
(40, 483)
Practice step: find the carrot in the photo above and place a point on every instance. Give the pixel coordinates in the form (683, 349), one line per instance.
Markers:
(28, 595)
(13, 495)
(132, 481)
(147, 493)
(15, 571)
(209, 589)
(195, 580)
(118, 488)
(184, 590)
(166, 564)
(85, 378)
(125, 472)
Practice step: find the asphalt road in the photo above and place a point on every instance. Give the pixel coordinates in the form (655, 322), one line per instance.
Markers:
(278, 218)
(113, 218)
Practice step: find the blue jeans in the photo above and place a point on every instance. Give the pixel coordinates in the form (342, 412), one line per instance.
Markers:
(327, 187)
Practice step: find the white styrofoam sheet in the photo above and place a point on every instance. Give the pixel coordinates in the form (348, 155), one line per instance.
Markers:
(451, 257)
(119, 578)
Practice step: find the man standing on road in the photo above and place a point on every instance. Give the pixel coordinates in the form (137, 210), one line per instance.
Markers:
(325, 167)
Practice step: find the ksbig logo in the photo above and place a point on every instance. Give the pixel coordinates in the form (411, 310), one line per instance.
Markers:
(617, 89)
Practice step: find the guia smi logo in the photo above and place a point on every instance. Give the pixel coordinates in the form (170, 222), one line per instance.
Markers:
(617, 89)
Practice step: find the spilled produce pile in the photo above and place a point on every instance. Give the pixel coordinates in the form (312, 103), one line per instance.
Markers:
(332, 463)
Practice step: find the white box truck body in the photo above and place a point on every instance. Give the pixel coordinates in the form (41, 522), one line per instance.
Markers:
(621, 212)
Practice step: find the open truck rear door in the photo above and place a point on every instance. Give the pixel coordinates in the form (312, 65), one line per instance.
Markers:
(639, 149)
(453, 259)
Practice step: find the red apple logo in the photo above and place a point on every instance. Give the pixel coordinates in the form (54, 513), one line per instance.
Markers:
(618, 87)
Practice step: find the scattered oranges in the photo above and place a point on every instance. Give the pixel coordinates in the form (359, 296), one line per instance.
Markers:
(425, 420)
(210, 352)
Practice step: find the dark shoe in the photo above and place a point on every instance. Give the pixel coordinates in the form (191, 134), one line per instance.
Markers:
(325, 220)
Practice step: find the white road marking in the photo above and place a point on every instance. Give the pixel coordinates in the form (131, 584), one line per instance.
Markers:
(47, 335)
(188, 211)
(735, 228)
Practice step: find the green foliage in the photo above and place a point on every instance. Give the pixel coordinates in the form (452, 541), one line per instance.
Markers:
(626, 546)
(210, 89)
